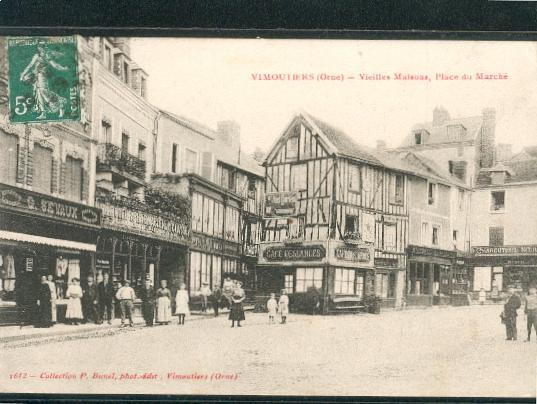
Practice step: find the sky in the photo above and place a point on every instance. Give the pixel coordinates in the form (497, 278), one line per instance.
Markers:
(209, 80)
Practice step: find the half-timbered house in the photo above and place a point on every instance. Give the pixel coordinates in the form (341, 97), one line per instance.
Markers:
(336, 218)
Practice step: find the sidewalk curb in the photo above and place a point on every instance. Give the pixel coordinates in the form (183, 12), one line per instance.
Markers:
(138, 321)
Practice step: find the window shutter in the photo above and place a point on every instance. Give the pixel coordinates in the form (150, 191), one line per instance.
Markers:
(207, 165)
(85, 185)
(55, 173)
(63, 174)
(30, 168)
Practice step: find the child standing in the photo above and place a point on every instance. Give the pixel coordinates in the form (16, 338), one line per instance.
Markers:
(181, 304)
(272, 307)
(283, 306)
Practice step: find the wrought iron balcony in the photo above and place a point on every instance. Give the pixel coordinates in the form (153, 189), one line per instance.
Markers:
(112, 156)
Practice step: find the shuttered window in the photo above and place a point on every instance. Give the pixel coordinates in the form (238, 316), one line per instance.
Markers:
(73, 178)
(496, 236)
(207, 165)
(9, 149)
(42, 172)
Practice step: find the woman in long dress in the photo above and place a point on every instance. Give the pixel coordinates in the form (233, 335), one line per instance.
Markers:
(53, 297)
(74, 293)
(181, 304)
(44, 308)
(164, 303)
(283, 306)
(237, 309)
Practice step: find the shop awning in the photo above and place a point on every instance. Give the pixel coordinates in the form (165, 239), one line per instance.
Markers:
(54, 242)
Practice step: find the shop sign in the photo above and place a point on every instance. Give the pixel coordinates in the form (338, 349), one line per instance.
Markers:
(295, 253)
(281, 204)
(386, 262)
(143, 223)
(505, 250)
(29, 264)
(21, 200)
(352, 254)
(431, 252)
(210, 244)
(43, 79)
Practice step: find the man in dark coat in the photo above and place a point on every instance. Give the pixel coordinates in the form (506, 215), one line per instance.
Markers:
(216, 299)
(510, 314)
(148, 297)
(90, 302)
(106, 298)
(44, 310)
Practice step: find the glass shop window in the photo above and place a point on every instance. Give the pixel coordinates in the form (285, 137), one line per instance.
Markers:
(308, 277)
(344, 281)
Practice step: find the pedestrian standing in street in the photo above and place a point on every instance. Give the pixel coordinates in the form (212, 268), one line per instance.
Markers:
(531, 311)
(181, 303)
(510, 314)
(272, 307)
(216, 298)
(482, 296)
(227, 290)
(204, 292)
(237, 309)
(53, 298)
(126, 296)
(148, 297)
(74, 292)
(106, 298)
(44, 318)
(90, 302)
(164, 303)
(283, 306)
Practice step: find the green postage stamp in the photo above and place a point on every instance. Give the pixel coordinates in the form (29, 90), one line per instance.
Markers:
(43, 79)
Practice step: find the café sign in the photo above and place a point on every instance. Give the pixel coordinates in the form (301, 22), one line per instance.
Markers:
(294, 253)
(488, 251)
(24, 201)
(143, 223)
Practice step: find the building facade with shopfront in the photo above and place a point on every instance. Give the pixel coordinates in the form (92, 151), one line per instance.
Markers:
(343, 208)
(48, 224)
(504, 229)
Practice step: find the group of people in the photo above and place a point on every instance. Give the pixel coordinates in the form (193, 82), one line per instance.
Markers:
(280, 306)
(92, 302)
(509, 314)
(232, 296)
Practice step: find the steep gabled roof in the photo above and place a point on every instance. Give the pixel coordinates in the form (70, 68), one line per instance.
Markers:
(439, 134)
(343, 143)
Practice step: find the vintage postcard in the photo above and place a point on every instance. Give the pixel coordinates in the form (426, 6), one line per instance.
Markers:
(268, 217)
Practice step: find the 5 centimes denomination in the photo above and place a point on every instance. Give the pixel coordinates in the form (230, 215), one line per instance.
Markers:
(43, 79)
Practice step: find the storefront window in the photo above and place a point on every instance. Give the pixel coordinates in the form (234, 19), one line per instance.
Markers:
(344, 282)
(382, 285)
(288, 283)
(217, 271)
(482, 278)
(359, 286)
(7, 278)
(308, 277)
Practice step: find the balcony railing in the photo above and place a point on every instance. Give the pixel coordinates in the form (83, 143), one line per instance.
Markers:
(110, 155)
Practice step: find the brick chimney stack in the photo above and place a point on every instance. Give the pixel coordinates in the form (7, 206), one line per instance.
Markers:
(440, 116)
(488, 138)
(229, 135)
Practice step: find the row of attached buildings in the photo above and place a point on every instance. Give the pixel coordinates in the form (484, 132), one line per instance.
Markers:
(138, 192)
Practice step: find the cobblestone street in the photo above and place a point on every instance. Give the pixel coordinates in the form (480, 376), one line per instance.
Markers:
(445, 352)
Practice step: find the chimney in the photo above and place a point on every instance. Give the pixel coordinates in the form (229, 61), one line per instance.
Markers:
(124, 44)
(440, 116)
(487, 141)
(504, 151)
(381, 145)
(229, 135)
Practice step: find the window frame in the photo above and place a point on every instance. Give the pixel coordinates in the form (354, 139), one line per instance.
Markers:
(435, 193)
(196, 160)
(357, 171)
(492, 201)
(310, 278)
(438, 232)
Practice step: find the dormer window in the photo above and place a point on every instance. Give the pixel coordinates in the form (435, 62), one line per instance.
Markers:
(420, 136)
